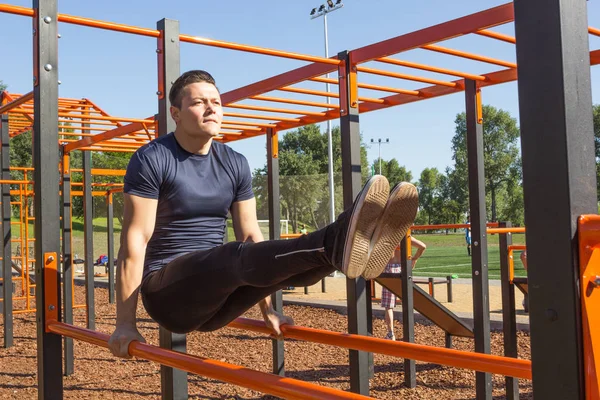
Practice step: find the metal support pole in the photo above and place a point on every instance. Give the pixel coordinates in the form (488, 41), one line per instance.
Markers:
(408, 316)
(479, 258)
(111, 247)
(174, 384)
(352, 179)
(559, 181)
(509, 317)
(449, 288)
(67, 254)
(88, 239)
(46, 185)
(275, 234)
(7, 283)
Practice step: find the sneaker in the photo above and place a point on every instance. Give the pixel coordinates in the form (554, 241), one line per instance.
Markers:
(399, 214)
(390, 336)
(349, 237)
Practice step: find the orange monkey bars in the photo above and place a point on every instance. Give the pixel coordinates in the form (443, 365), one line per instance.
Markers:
(267, 383)
(123, 138)
(461, 359)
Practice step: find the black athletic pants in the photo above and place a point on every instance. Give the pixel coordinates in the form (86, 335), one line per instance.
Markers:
(205, 290)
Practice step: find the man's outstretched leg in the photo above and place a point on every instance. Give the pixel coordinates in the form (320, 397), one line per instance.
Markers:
(195, 288)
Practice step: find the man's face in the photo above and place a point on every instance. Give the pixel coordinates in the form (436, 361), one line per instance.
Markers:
(201, 113)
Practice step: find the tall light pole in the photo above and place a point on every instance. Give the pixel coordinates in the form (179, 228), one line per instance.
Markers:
(323, 10)
(380, 142)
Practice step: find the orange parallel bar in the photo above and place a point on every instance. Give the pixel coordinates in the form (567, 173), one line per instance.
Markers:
(494, 231)
(424, 67)
(15, 103)
(326, 94)
(470, 56)
(517, 247)
(372, 87)
(122, 130)
(110, 149)
(405, 76)
(103, 171)
(241, 376)
(247, 128)
(257, 50)
(278, 110)
(291, 101)
(290, 235)
(589, 274)
(511, 260)
(438, 355)
(257, 116)
(496, 35)
(89, 119)
(258, 124)
(594, 31)
(448, 226)
(70, 19)
(14, 182)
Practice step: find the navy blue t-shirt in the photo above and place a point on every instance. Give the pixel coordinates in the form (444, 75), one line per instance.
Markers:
(194, 193)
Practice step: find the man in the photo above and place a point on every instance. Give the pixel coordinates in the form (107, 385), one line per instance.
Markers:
(179, 189)
(388, 299)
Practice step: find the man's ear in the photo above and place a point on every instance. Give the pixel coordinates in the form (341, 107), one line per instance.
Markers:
(174, 113)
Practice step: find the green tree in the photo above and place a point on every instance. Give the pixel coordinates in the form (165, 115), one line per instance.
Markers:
(2, 86)
(428, 187)
(501, 154)
(393, 171)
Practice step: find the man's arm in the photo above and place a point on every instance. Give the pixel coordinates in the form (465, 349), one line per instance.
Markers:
(245, 226)
(139, 218)
(420, 249)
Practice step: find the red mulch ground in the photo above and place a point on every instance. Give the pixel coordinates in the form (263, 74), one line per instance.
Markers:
(99, 375)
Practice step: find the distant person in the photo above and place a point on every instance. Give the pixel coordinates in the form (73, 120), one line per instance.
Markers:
(303, 230)
(468, 235)
(388, 299)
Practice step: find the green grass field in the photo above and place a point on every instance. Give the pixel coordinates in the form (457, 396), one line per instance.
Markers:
(445, 254)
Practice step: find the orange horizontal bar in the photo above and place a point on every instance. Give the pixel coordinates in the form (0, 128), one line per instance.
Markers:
(122, 130)
(103, 171)
(470, 56)
(372, 87)
(496, 35)
(424, 67)
(90, 119)
(494, 231)
(15, 103)
(291, 101)
(96, 193)
(267, 383)
(438, 355)
(290, 235)
(277, 110)
(448, 226)
(594, 31)
(257, 116)
(517, 247)
(14, 182)
(326, 94)
(257, 50)
(247, 128)
(259, 124)
(405, 76)
(108, 149)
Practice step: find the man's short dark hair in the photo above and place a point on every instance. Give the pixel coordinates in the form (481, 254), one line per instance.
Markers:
(188, 78)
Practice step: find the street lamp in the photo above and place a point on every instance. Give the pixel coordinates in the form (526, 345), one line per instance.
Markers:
(380, 142)
(322, 11)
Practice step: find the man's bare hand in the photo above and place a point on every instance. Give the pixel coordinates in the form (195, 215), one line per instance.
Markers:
(121, 338)
(275, 320)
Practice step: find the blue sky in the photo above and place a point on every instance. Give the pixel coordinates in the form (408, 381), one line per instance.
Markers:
(118, 71)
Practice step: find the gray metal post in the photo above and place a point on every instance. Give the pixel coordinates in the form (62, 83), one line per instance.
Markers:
(559, 179)
(46, 185)
(479, 256)
(111, 247)
(509, 318)
(67, 255)
(7, 303)
(174, 384)
(408, 316)
(352, 180)
(274, 234)
(88, 240)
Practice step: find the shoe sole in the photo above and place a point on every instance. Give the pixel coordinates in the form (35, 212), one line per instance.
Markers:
(369, 206)
(398, 216)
